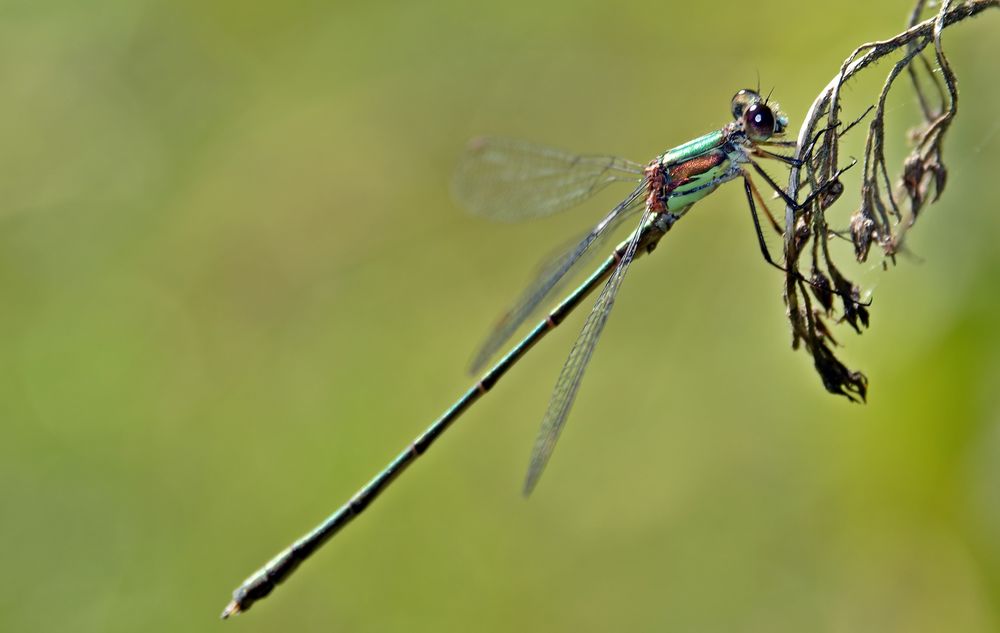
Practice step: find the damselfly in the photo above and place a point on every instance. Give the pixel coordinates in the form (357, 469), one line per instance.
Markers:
(506, 178)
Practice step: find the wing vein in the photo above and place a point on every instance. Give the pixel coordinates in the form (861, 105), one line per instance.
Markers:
(572, 372)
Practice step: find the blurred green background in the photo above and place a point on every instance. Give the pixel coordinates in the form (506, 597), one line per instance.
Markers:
(235, 285)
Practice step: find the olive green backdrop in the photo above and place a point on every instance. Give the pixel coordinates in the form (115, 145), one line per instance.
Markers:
(234, 285)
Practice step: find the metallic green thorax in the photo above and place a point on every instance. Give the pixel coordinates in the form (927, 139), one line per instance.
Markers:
(687, 173)
(700, 185)
(693, 148)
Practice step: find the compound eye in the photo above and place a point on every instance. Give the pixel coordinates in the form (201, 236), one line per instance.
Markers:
(741, 100)
(758, 121)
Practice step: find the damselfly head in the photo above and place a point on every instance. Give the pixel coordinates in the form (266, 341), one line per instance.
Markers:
(760, 120)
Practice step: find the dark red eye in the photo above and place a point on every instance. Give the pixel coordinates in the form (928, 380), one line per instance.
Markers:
(758, 121)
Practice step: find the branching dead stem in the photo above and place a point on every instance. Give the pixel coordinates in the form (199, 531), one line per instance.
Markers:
(888, 208)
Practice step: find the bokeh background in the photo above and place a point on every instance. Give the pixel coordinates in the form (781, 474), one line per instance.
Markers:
(234, 285)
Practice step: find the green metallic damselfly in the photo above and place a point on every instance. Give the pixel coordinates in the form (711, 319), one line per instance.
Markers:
(510, 179)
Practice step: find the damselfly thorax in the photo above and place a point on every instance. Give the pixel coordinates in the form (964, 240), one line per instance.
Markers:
(687, 173)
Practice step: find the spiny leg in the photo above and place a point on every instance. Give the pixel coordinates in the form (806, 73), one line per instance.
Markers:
(791, 161)
(751, 189)
(779, 143)
(829, 184)
(763, 205)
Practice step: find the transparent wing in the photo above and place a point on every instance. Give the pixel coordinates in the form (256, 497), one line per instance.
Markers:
(572, 372)
(513, 180)
(553, 276)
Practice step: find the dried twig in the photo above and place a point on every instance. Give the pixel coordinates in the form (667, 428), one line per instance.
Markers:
(886, 211)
